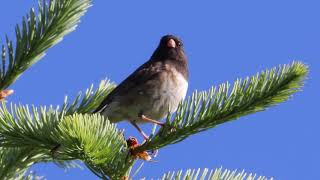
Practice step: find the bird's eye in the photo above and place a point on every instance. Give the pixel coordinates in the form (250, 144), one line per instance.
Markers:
(179, 44)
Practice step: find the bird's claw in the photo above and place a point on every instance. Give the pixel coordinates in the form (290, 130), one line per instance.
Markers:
(133, 144)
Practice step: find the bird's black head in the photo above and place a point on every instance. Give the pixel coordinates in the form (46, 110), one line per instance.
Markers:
(170, 47)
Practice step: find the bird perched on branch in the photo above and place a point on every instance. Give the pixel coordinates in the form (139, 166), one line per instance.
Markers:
(153, 90)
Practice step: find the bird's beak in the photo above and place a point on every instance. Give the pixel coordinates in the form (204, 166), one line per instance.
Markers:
(171, 43)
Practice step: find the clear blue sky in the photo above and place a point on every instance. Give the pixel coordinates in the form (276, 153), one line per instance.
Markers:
(224, 40)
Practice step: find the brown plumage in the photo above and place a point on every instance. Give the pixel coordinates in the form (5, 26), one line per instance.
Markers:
(153, 90)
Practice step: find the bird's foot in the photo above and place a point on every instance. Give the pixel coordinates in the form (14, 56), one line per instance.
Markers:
(145, 137)
(133, 144)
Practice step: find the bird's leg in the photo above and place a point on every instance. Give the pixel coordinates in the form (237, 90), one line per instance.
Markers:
(144, 118)
(154, 152)
(140, 130)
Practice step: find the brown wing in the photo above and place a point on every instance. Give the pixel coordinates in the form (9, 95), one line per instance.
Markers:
(144, 73)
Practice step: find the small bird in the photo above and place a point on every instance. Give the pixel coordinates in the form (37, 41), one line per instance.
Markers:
(153, 90)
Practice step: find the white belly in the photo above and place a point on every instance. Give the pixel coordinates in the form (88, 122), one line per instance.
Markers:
(177, 92)
(171, 93)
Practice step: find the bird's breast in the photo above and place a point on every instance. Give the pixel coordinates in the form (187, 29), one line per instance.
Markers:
(172, 90)
(176, 89)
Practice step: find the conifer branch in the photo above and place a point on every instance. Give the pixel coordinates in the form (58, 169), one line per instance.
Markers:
(15, 161)
(25, 125)
(64, 135)
(217, 174)
(55, 137)
(221, 104)
(37, 34)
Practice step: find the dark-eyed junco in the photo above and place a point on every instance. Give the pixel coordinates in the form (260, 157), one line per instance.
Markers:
(153, 90)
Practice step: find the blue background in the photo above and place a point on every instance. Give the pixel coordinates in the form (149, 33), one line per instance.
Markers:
(224, 40)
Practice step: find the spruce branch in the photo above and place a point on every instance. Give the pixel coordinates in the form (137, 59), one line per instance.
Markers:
(37, 34)
(14, 162)
(90, 100)
(22, 125)
(34, 36)
(32, 176)
(221, 104)
(89, 138)
(25, 125)
(64, 135)
(96, 141)
(217, 174)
